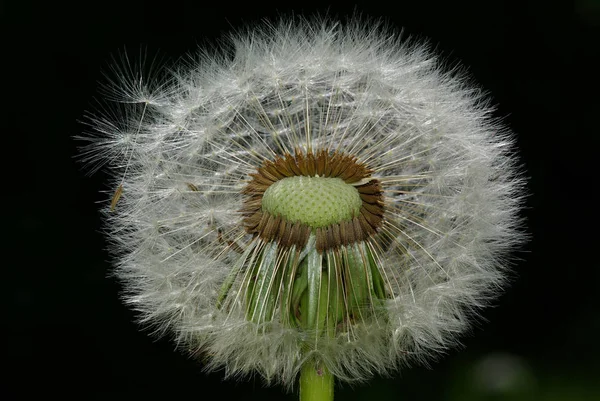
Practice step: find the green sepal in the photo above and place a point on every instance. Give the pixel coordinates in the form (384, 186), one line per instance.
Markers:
(357, 280)
(314, 267)
(298, 290)
(377, 279)
(230, 279)
(263, 291)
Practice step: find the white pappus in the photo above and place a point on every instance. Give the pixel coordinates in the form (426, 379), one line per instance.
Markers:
(396, 209)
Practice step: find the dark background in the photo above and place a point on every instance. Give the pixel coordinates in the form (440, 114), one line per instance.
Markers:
(66, 332)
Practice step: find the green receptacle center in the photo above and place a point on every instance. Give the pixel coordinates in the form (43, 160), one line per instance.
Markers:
(314, 201)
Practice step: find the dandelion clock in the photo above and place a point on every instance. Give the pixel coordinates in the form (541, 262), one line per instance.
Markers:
(322, 202)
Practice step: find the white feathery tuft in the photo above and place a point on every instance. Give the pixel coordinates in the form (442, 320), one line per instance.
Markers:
(183, 149)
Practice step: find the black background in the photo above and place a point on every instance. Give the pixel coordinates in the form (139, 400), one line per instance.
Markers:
(68, 335)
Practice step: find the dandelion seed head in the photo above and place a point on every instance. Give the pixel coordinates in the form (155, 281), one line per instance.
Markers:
(329, 192)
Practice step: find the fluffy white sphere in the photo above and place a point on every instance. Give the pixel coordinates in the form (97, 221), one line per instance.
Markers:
(182, 155)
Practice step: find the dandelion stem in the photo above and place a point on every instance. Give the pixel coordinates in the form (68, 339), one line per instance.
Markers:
(316, 383)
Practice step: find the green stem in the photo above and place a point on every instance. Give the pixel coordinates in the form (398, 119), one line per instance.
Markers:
(316, 383)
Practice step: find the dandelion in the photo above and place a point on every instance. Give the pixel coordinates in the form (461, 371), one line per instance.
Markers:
(325, 201)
